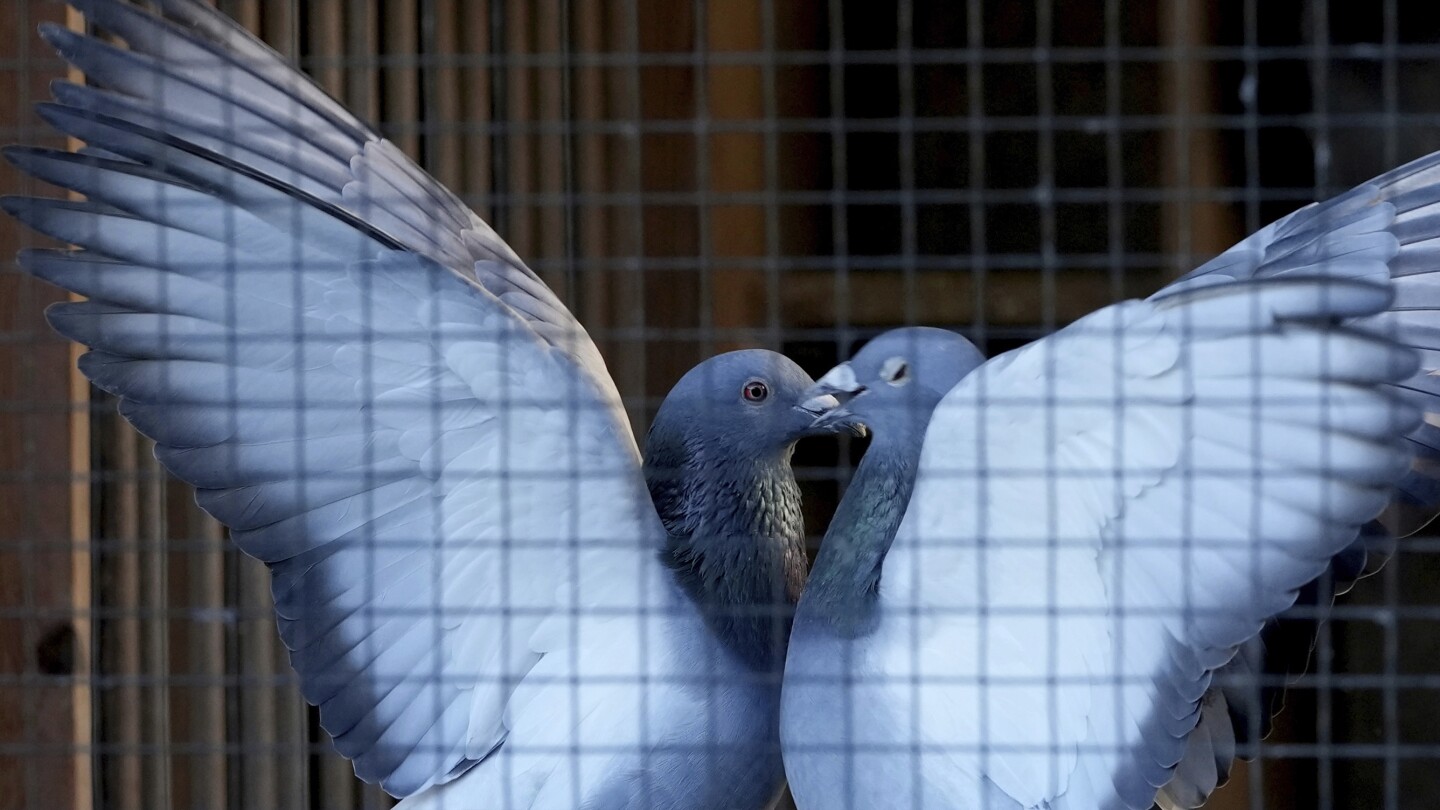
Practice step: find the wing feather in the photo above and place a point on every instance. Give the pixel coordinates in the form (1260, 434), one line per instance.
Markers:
(1395, 219)
(193, 72)
(313, 332)
(1319, 238)
(1132, 499)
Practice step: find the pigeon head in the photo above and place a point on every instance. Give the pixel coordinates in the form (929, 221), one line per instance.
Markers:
(895, 381)
(892, 385)
(717, 462)
(754, 403)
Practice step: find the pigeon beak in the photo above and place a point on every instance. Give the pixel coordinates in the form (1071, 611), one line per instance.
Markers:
(837, 420)
(819, 404)
(838, 382)
(824, 400)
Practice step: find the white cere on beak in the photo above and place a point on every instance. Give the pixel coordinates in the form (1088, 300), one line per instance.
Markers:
(840, 378)
(821, 404)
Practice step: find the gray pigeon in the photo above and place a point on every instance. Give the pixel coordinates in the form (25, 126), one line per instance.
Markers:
(389, 409)
(1048, 562)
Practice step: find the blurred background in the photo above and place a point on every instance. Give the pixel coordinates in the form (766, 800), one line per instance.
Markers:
(694, 176)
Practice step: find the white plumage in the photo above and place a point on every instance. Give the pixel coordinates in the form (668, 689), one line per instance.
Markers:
(1101, 519)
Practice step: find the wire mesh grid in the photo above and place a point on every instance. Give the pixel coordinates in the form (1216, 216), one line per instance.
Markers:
(698, 176)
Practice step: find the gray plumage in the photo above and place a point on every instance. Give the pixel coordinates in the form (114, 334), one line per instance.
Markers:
(905, 373)
(717, 484)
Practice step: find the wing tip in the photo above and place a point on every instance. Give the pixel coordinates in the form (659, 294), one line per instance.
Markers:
(71, 324)
(67, 92)
(46, 264)
(60, 37)
(57, 114)
(33, 159)
(11, 151)
(19, 207)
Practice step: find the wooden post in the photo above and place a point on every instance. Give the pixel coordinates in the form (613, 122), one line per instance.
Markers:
(1195, 228)
(81, 560)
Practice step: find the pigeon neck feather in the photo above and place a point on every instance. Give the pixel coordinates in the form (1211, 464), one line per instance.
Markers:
(843, 588)
(735, 540)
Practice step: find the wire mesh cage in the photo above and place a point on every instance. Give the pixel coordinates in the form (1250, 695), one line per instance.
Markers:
(692, 177)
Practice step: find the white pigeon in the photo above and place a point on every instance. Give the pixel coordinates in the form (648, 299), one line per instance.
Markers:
(1024, 597)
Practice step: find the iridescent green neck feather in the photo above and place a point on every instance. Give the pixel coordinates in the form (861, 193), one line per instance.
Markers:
(843, 588)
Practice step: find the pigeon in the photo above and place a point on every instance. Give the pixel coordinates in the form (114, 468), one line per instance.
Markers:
(1040, 585)
(492, 598)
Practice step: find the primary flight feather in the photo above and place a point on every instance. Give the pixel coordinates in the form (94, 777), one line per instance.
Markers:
(389, 409)
(1048, 562)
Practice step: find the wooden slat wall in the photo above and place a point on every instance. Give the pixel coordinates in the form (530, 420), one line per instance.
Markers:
(45, 709)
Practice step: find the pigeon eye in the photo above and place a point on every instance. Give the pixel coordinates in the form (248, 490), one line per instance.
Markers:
(755, 391)
(896, 371)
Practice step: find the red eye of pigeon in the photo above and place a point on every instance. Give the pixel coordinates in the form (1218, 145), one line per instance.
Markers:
(755, 391)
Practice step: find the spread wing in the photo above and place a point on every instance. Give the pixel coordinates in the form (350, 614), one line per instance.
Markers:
(1101, 518)
(1394, 219)
(198, 75)
(1341, 231)
(364, 384)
